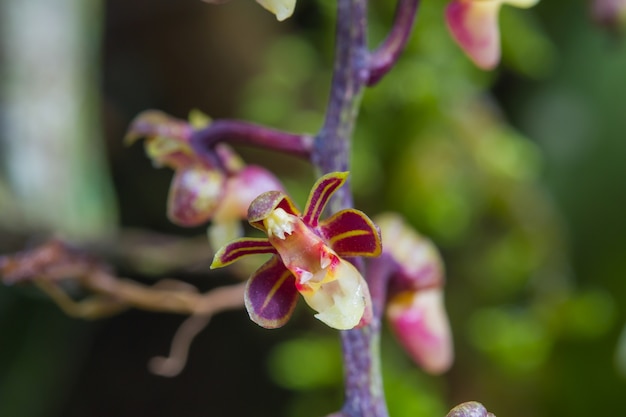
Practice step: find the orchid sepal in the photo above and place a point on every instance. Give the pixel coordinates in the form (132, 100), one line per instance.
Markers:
(419, 264)
(156, 123)
(474, 26)
(320, 194)
(282, 9)
(352, 233)
(415, 309)
(420, 323)
(239, 248)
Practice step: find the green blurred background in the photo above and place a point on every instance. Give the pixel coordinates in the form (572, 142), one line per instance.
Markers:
(516, 174)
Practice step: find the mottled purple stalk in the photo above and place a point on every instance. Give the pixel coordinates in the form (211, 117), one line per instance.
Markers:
(354, 69)
(237, 131)
(361, 350)
(385, 56)
(331, 152)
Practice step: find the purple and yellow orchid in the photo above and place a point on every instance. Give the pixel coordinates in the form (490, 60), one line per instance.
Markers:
(609, 13)
(309, 258)
(474, 26)
(219, 191)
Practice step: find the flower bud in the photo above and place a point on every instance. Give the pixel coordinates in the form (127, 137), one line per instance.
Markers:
(194, 195)
(469, 409)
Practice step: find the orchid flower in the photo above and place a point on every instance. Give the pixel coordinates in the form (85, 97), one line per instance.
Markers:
(610, 13)
(201, 190)
(415, 309)
(308, 258)
(282, 9)
(474, 26)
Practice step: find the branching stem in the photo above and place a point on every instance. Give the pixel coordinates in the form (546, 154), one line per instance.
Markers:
(385, 56)
(237, 131)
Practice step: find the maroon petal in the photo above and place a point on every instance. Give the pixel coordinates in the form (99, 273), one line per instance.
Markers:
(323, 189)
(271, 294)
(351, 233)
(240, 248)
(156, 123)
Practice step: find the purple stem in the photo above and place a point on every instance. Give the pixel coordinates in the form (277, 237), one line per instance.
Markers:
(331, 151)
(236, 131)
(361, 350)
(383, 59)
(364, 396)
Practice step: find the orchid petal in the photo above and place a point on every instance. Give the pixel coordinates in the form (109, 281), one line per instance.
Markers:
(323, 189)
(166, 138)
(419, 263)
(265, 204)
(421, 325)
(240, 248)
(271, 295)
(342, 300)
(156, 123)
(522, 4)
(198, 119)
(351, 233)
(194, 195)
(474, 26)
(281, 8)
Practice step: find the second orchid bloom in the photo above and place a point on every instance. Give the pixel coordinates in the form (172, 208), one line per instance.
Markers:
(309, 258)
(218, 190)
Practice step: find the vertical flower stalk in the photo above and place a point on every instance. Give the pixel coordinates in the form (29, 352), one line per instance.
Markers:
(331, 152)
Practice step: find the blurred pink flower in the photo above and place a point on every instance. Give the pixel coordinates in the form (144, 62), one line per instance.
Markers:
(474, 26)
(415, 308)
(219, 191)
